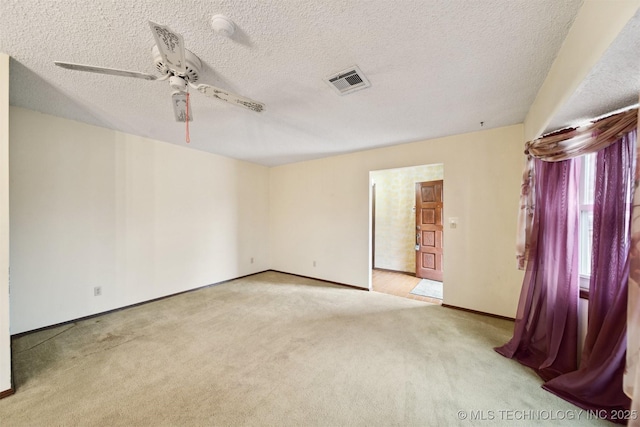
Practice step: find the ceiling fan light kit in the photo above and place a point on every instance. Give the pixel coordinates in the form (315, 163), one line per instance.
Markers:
(180, 66)
(181, 107)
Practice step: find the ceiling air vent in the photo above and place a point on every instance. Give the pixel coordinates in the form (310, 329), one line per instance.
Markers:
(348, 81)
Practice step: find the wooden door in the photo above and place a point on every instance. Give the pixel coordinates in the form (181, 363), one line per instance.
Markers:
(429, 230)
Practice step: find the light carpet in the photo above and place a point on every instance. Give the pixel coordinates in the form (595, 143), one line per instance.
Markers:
(278, 350)
(428, 288)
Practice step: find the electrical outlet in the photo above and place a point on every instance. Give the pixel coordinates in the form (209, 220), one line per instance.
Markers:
(97, 291)
(251, 260)
(314, 263)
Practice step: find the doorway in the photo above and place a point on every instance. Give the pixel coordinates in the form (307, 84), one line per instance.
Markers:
(393, 226)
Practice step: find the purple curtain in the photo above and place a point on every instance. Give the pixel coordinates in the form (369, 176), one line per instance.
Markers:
(546, 329)
(597, 384)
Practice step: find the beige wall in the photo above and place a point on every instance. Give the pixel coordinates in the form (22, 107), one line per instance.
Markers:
(395, 216)
(320, 211)
(140, 218)
(5, 346)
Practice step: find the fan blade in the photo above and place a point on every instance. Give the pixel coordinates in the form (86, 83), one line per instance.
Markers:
(214, 92)
(179, 101)
(103, 70)
(171, 46)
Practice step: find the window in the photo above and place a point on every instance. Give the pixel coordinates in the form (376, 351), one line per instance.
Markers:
(587, 187)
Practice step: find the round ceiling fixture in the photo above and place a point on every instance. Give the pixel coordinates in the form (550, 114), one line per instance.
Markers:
(223, 25)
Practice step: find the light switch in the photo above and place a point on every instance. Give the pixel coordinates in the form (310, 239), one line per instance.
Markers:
(453, 222)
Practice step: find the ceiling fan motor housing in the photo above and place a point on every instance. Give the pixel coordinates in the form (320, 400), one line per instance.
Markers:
(193, 66)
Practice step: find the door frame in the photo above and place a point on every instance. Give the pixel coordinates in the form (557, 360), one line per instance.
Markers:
(371, 210)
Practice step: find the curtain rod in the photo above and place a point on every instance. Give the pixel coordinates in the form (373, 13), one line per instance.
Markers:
(603, 116)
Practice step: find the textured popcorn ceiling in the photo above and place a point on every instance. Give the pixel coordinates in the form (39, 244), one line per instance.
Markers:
(437, 68)
(613, 83)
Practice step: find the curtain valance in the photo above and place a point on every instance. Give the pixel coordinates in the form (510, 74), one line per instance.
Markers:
(563, 145)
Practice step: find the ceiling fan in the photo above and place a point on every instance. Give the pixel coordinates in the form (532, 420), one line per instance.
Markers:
(178, 65)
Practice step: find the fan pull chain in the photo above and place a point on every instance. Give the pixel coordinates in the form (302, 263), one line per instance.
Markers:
(187, 121)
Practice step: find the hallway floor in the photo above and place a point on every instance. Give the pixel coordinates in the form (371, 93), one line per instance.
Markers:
(398, 284)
